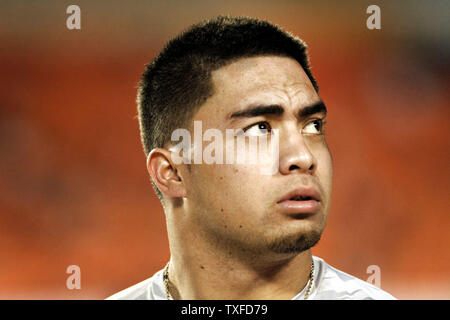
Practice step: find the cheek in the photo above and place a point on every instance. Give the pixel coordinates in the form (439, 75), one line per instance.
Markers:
(221, 194)
(214, 182)
(325, 169)
(225, 186)
(319, 149)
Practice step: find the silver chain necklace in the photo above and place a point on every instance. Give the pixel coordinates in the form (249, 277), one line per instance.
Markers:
(308, 290)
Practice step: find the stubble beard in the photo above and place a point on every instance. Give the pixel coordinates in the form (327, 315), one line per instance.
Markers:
(296, 243)
(261, 246)
(271, 248)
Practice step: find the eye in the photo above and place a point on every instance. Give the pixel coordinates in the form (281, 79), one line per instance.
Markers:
(313, 127)
(258, 129)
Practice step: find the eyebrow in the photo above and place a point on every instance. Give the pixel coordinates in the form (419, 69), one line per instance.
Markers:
(276, 110)
(318, 107)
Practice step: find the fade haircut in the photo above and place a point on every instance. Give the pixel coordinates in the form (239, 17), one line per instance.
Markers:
(178, 81)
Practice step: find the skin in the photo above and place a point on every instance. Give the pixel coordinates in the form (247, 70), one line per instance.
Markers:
(223, 220)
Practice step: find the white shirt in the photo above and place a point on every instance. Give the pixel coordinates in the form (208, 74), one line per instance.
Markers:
(329, 284)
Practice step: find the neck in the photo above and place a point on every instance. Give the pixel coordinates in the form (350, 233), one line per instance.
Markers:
(199, 272)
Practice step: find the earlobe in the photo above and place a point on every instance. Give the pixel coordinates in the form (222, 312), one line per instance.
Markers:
(165, 174)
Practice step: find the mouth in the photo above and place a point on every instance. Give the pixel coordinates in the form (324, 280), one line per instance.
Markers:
(301, 198)
(301, 201)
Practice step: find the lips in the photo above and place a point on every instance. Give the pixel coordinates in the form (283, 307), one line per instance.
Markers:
(303, 200)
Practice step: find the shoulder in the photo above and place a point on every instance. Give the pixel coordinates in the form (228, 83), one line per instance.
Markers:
(149, 289)
(335, 284)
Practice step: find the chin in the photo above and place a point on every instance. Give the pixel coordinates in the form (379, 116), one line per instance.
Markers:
(297, 242)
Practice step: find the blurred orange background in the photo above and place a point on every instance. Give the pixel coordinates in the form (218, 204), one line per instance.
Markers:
(73, 184)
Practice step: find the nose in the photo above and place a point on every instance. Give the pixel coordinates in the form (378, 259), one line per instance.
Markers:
(295, 156)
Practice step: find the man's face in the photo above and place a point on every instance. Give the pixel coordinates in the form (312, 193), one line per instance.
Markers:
(236, 206)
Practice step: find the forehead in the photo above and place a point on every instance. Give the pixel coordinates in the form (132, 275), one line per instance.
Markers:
(260, 80)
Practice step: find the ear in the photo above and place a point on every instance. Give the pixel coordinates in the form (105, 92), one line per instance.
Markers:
(165, 174)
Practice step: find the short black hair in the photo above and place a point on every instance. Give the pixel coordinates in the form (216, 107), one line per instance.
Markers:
(178, 81)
